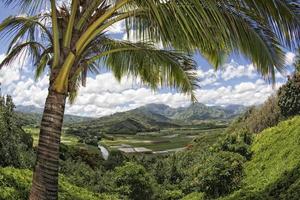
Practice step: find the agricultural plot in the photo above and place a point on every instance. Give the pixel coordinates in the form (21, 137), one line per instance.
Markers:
(164, 140)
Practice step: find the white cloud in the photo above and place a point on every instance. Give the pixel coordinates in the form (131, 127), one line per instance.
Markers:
(104, 95)
(247, 93)
(11, 74)
(234, 70)
(290, 58)
(207, 77)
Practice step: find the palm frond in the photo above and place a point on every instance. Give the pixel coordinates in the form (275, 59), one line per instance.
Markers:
(155, 67)
(282, 15)
(23, 28)
(214, 28)
(30, 6)
(42, 62)
(33, 49)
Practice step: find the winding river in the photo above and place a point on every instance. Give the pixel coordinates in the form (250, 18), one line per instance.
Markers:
(104, 152)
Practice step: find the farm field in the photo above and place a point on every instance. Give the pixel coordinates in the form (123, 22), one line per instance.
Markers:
(166, 139)
(65, 139)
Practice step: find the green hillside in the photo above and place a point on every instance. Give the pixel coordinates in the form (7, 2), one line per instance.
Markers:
(15, 185)
(130, 122)
(274, 170)
(196, 111)
(154, 117)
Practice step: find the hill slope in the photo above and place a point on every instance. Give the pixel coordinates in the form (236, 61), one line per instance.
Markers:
(130, 122)
(153, 117)
(196, 111)
(274, 170)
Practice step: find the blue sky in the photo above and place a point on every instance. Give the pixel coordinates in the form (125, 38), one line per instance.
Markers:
(235, 83)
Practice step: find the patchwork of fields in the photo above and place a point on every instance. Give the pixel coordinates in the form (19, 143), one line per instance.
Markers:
(170, 139)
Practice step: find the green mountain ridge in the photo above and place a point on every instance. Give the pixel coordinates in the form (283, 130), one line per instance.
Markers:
(154, 117)
(151, 117)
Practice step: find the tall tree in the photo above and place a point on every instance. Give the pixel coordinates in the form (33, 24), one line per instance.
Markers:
(72, 40)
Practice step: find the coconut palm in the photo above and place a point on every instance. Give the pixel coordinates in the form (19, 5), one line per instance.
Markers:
(71, 40)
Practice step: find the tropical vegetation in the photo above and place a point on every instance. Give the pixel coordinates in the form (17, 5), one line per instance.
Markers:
(71, 39)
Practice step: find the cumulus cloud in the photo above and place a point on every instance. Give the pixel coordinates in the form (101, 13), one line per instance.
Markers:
(246, 93)
(290, 58)
(104, 95)
(233, 70)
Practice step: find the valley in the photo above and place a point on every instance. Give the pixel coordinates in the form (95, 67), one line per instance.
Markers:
(156, 128)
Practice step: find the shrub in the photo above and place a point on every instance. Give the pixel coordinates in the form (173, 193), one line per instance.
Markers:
(171, 195)
(15, 185)
(289, 96)
(133, 181)
(236, 143)
(15, 144)
(76, 153)
(219, 174)
(194, 196)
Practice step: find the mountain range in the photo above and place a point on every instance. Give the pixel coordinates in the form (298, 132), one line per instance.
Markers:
(32, 115)
(153, 117)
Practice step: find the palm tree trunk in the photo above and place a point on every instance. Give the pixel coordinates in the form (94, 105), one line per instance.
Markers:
(45, 176)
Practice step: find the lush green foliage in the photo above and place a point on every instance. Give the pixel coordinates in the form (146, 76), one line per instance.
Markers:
(154, 117)
(238, 142)
(219, 174)
(132, 180)
(213, 166)
(15, 144)
(289, 96)
(194, 196)
(273, 171)
(15, 185)
(256, 119)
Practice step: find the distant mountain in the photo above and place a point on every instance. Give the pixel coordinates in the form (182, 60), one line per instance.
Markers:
(29, 109)
(153, 117)
(196, 111)
(32, 115)
(130, 122)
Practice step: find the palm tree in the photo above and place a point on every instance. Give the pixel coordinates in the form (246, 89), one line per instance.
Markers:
(71, 40)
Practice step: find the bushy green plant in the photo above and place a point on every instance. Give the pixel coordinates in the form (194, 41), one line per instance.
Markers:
(194, 196)
(219, 174)
(15, 185)
(289, 96)
(133, 181)
(76, 153)
(237, 143)
(171, 195)
(273, 172)
(15, 145)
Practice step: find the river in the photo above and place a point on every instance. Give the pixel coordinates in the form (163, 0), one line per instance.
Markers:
(104, 152)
